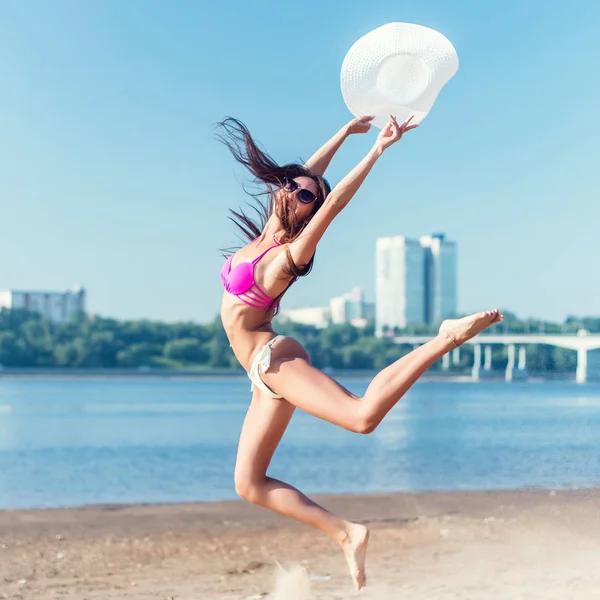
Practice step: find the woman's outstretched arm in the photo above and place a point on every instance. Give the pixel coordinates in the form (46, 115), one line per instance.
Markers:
(303, 248)
(320, 160)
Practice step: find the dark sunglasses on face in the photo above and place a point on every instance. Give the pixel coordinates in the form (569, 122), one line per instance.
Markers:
(305, 196)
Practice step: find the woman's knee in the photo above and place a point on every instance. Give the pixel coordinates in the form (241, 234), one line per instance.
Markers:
(247, 487)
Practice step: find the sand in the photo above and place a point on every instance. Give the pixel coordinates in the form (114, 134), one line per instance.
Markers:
(465, 545)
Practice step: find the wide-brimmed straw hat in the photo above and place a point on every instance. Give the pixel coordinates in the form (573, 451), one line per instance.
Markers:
(398, 69)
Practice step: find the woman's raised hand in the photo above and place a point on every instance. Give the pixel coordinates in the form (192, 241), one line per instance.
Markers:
(393, 132)
(359, 125)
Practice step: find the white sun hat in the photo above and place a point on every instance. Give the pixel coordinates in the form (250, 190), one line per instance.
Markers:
(398, 69)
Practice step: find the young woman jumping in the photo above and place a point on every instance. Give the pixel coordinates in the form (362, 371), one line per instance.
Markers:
(281, 248)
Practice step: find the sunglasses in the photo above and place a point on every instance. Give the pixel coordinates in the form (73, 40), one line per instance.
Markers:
(305, 196)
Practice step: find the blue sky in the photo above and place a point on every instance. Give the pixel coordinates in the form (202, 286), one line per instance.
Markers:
(110, 175)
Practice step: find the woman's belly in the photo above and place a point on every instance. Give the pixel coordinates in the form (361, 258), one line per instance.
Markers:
(248, 329)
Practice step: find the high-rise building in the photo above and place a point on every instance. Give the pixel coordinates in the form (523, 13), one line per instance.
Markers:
(416, 281)
(400, 283)
(440, 278)
(54, 306)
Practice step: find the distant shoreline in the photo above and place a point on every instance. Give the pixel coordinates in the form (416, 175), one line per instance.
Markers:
(12, 519)
(190, 375)
(233, 374)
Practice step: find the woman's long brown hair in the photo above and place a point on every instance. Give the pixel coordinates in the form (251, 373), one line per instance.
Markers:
(270, 177)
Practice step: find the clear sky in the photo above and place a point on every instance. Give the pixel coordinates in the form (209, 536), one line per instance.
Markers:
(110, 175)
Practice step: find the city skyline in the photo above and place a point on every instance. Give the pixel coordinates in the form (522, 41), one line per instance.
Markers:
(112, 176)
(351, 307)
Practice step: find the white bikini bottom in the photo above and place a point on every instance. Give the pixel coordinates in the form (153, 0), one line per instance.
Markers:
(262, 362)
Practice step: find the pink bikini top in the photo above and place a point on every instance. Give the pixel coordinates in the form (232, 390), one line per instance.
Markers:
(240, 282)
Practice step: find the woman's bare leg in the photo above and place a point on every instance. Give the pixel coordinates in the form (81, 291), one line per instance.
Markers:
(264, 425)
(311, 390)
(305, 387)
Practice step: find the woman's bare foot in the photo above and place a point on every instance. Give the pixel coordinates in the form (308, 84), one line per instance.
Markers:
(354, 546)
(458, 331)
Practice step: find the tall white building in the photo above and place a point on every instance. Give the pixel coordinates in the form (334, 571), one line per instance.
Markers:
(441, 298)
(416, 281)
(54, 306)
(400, 283)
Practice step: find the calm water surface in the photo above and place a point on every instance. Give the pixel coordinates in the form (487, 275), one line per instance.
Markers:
(74, 442)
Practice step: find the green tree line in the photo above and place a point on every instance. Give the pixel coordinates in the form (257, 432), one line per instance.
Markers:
(28, 340)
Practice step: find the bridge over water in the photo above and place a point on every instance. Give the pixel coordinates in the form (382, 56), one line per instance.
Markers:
(581, 342)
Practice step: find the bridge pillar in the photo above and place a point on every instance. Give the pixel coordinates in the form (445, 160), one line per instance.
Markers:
(581, 373)
(476, 362)
(446, 361)
(456, 356)
(487, 358)
(522, 358)
(510, 365)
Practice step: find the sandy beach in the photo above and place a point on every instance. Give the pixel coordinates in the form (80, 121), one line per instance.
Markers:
(467, 545)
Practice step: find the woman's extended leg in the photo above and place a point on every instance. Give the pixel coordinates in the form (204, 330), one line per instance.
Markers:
(264, 425)
(305, 387)
(311, 390)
